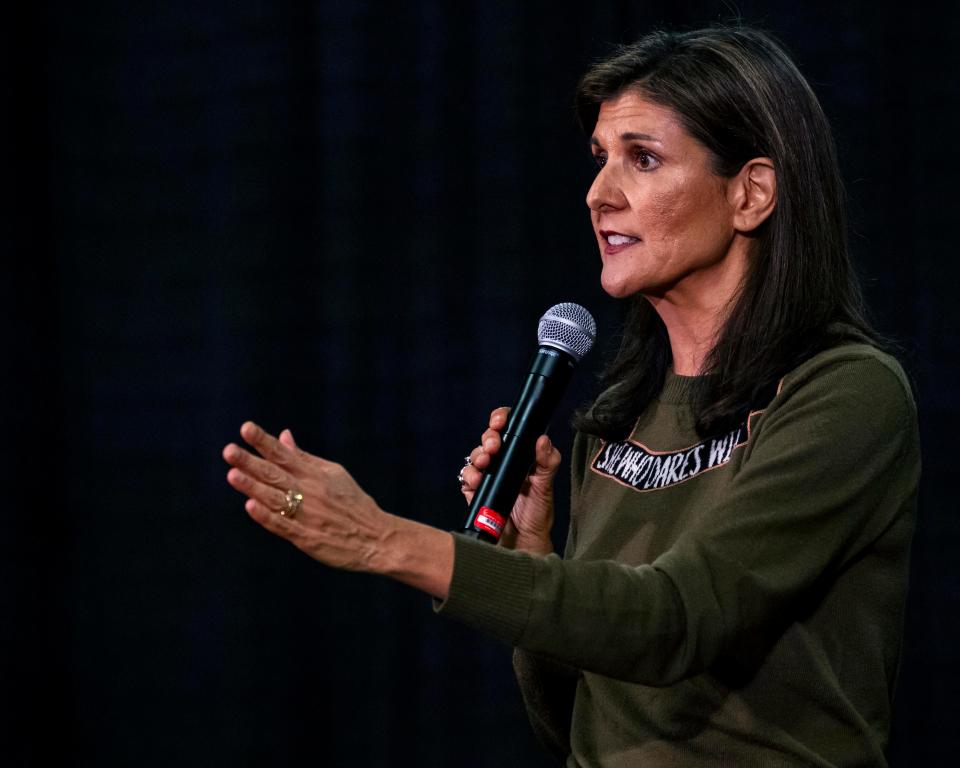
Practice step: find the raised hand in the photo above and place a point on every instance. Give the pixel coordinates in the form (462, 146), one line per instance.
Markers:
(316, 505)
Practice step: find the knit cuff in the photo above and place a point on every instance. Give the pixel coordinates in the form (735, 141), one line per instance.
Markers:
(490, 590)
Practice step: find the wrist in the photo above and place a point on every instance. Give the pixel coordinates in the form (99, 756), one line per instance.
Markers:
(414, 554)
(534, 545)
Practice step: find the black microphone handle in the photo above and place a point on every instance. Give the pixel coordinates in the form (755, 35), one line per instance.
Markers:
(498, 490)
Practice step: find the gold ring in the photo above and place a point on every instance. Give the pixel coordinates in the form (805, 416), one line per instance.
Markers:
(294, 500)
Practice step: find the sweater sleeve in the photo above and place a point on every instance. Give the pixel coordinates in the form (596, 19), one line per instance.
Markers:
(831, 467)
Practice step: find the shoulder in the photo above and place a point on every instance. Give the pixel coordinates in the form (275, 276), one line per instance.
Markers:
(858, 365)
(853, 393)
(854, 372)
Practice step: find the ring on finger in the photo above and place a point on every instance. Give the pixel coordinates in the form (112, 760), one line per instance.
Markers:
(467, 461)
(294, 499)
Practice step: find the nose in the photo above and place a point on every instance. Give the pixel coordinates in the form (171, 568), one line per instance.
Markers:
(605, 193)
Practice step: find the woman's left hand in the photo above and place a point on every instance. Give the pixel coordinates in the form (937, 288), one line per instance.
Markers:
(334, 521)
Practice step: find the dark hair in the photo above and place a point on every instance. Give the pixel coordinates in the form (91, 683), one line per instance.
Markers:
(738, 93)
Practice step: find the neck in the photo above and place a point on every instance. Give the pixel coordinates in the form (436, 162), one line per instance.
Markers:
(692, 335)
(695, 310)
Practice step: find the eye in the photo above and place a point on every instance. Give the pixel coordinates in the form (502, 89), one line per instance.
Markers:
(600, 159)
(645, 160)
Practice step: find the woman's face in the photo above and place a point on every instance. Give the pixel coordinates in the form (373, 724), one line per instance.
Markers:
(662, 218)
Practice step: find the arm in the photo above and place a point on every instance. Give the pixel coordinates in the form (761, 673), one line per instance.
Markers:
(340, 525)
(776, 535)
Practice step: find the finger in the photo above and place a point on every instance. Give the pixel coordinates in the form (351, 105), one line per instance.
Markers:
(479, 457)
(490, 441)
(272, 498)
(273, 522)
(286, 437)
(471, 478)
(267, 445)
(258, 468)
(498, 418)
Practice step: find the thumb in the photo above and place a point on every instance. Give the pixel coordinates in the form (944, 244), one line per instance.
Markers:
(547, 457)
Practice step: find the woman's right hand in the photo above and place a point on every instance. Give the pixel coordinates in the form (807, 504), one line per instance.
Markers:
(528, 528)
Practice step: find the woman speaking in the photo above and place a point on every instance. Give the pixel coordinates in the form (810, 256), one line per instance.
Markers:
(743, 487)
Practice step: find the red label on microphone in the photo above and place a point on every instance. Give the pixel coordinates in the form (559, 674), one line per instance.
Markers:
(489, 521)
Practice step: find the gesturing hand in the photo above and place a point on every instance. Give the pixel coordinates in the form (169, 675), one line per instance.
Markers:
(336, 522)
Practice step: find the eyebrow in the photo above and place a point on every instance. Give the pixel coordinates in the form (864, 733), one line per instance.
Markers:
(629, 136)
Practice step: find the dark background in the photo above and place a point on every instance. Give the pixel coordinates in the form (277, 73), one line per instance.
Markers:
(346, 218)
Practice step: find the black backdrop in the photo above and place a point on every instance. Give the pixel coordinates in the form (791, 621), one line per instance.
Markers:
(346, 218)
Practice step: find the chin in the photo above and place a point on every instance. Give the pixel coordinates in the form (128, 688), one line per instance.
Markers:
(617, 289)
(617, 292)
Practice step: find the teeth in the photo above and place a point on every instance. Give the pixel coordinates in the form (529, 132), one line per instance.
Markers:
(621, 240)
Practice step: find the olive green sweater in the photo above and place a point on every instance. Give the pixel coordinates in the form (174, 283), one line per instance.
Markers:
(736, 601)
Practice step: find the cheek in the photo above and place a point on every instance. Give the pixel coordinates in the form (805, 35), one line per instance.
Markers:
(690, 215)
(671, 201)
(670, 213)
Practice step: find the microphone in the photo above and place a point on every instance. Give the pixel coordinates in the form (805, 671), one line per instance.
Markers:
(566, 333)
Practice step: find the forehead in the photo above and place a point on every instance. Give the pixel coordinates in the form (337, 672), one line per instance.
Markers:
(631, 112)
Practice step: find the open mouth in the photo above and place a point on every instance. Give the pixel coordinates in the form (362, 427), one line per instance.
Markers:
(617, 241)
(615, 238)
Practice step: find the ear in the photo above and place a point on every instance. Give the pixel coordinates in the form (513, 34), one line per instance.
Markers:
(753, 194)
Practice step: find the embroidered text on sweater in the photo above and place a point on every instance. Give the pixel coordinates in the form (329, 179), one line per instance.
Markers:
(641, 468)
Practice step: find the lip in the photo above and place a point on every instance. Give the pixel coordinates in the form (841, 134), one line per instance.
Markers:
(611, 250)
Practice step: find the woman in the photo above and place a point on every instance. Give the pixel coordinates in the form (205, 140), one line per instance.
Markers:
(743, 488)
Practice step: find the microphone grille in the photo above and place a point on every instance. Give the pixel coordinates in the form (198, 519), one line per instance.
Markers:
(568, 327)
